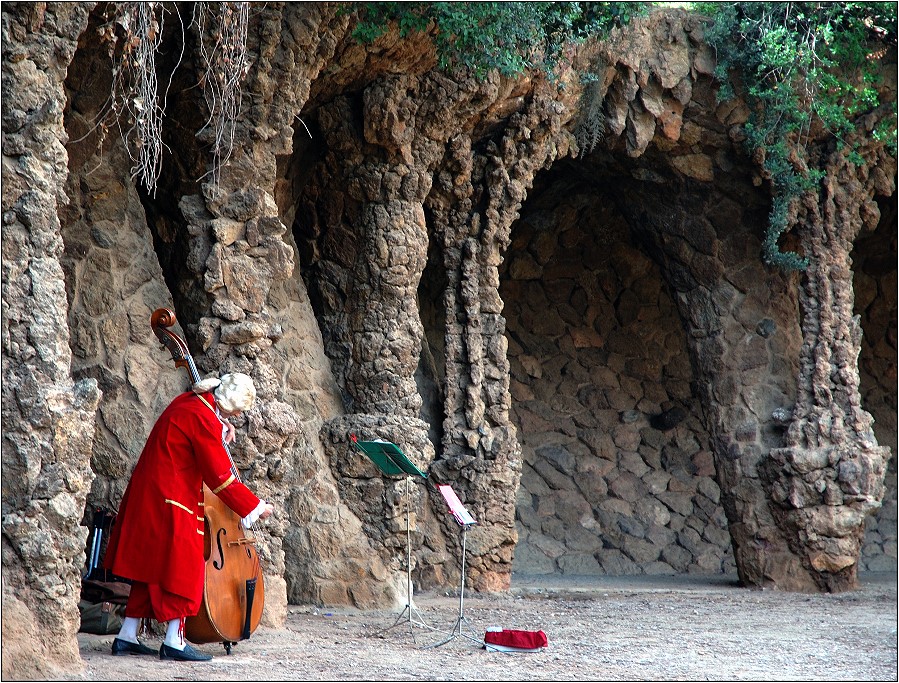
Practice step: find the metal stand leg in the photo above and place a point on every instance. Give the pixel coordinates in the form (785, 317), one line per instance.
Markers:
(460, 620)
(409, 614)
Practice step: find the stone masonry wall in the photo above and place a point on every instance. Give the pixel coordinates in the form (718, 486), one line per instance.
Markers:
(585, 356)
(874, 268)
(618, 474)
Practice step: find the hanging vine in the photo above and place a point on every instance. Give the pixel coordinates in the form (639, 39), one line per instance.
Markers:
(133, 32)
(226, 65)
(802, 66)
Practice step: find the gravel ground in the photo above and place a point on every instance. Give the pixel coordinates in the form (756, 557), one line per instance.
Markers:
(599, 628)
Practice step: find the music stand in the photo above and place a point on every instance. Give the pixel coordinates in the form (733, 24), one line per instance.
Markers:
(465, 520)
(392, 462)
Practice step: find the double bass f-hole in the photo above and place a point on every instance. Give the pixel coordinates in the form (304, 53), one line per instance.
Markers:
(219, 562)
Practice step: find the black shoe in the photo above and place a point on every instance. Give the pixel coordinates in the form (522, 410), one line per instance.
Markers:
(124, 647)
(188, 654)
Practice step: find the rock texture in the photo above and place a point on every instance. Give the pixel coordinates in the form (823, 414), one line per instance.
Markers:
(619, 476)
(830, 474)
(875, 292)
(550, 297)
(47, 416)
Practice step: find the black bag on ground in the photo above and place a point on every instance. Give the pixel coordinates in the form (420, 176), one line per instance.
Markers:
(94, 590)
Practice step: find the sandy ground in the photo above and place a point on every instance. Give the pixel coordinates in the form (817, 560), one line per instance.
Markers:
(599, 628)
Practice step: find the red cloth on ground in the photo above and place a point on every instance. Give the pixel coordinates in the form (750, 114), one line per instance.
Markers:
(522, 640)
(150, 601)
(158, 534)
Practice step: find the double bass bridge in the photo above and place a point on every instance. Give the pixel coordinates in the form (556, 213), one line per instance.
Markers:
(242, 541)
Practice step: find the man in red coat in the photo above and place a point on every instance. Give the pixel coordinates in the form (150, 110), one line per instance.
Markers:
(157, 540)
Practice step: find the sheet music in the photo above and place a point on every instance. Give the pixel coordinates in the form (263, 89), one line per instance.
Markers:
(459, 512)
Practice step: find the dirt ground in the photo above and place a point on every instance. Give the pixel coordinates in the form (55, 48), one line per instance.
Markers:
(599, 628)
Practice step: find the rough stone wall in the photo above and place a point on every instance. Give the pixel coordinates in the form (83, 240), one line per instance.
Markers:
(381, 502)
(372, 258)
(114, 282)
(742, 352)
(372, 251)
(743, 339)
(378, 324)
(47, 419)
(874, 284)
(618, 475)
(701, 223)
(244, 258)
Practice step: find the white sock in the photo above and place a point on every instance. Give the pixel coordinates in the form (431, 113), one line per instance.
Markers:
(129, 629)
(174, 634)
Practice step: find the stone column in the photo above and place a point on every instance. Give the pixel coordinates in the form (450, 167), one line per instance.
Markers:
(47, 421)
(829, 475)
(383, 313)
(474, 207)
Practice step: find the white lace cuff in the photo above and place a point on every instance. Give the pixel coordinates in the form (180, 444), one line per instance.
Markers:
(251, 518)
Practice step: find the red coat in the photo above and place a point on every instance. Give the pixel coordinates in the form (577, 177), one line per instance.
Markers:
(158, 533)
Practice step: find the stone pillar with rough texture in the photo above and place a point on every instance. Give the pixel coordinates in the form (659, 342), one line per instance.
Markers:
(383, 331)
(475, 204)
(383, 317)
(47, 421)
(829, 475)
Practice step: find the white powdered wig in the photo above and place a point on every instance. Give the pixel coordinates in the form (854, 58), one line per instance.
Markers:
(235, 392)
(206, 385)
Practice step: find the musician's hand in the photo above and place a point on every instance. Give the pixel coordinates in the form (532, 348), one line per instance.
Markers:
(229, 431)
(268, 511)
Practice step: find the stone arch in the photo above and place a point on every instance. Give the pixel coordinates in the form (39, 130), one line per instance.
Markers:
(740, 324)
(392, 150)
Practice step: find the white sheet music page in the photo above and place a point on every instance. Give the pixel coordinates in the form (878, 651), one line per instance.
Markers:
(455, 505)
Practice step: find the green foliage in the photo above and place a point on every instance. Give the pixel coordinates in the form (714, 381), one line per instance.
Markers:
(801, 64)
(509, 37)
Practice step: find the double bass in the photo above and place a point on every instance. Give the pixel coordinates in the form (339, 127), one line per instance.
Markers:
(233, 590)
